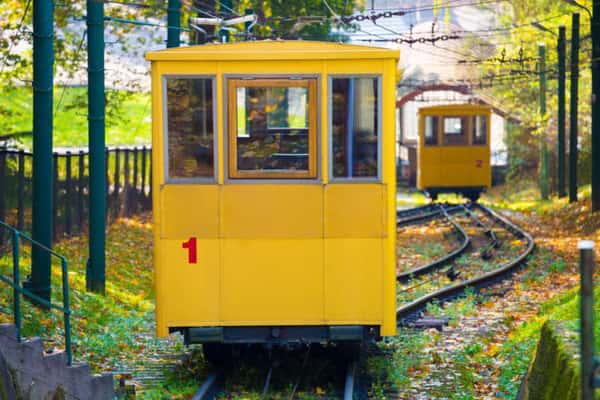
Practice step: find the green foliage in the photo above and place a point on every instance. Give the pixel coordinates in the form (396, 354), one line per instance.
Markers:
(285, 8)
(127, 116)
(113, 332)
(520, 98)
(16, 66)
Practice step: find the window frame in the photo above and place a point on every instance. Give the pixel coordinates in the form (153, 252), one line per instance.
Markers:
(165, 137)
(436, 132)
(473, 122)
(230, 106)
(465, 128)
(360, 179)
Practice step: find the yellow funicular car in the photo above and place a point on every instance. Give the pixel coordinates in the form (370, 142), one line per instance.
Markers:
(454, 150)
(274, 192)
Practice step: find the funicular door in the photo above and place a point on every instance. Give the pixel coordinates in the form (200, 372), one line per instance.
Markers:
(272, 205)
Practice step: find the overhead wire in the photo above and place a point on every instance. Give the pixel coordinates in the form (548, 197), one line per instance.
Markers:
(75, 56)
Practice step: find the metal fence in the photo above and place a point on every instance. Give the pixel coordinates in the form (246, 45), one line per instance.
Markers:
(128, 189)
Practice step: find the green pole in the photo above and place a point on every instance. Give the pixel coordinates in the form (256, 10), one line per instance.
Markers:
(586, 309)
(543, 150)
(247, 25)
(95, 276)
(573, 109)
(226, 7)
(173, 22)
(596, 106)
(43, 60)
(562, 191)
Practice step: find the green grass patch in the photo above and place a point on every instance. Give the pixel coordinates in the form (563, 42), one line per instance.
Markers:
(525, 196)
(128, 116)
(518, 352)
(115, 332)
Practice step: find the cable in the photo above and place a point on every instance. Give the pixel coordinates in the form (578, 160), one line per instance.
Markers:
(75, 55)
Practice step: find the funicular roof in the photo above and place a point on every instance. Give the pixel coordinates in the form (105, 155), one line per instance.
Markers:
(271, 50)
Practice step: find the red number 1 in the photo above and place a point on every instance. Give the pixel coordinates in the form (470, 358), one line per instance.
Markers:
(192, 250)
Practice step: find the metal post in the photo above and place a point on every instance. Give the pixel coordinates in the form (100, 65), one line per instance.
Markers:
(95, 279)
(173, 22)
(573, 109)
(562, 191)
(543, 150)
(586, 269)
(16, 242)
(67, 314)
(226, 7)
(248, 25)
(43, 60)
(595, 106)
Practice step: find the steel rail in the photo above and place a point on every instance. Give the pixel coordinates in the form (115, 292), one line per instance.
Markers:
(349, 381)
(209, 388)
(488, 230)
(404, 313)
(424, 216)
(486, 251)
(416, 210)
(465, 241)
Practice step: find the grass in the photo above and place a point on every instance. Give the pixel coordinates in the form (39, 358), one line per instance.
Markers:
(113, 332)
(127, 116)
(405, 358)
(525, 196)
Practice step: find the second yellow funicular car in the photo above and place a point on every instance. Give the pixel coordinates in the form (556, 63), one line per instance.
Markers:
(274, 192)
(454, 150)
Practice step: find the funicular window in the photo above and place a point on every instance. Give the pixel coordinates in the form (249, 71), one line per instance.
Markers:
(190, 128)
(431, 130)
(355, 127)
(479, 127)
(272, 128)
(455, 131)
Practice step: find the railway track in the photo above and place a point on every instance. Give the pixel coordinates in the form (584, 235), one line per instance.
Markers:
(478, 232)
(213, 385)
(411, 310)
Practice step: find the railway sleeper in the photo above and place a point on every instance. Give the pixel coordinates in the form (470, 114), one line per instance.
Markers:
(431, 322)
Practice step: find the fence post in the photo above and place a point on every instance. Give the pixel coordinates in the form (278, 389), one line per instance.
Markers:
(134, 194)
(107, 179)
(150, 179)
(116, 207)
(68, 197)
(21, 192)
(2, 185)
(126, 188)
(55, 191)
(588, 362)
(80, 187)
(143, 191)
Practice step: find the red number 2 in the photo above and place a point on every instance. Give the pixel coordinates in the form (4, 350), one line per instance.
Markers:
(192, 248)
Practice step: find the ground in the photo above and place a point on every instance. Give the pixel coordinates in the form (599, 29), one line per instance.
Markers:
(482, 354)
(491, 338)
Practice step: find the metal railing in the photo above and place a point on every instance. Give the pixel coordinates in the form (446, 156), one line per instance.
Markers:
(18, 290)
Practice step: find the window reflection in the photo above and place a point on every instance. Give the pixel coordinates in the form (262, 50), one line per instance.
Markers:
(190, 127)
(355, 127)
(431, 130)
(455, 131)
(273, 134)
(479, 126)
